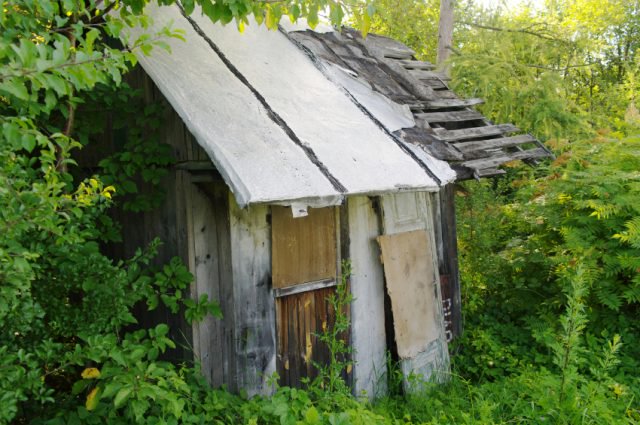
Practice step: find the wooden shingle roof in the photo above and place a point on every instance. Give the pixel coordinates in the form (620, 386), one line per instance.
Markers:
(445, 126)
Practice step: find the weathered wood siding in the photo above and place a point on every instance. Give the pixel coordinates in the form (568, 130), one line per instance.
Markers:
(305, 265)
(254, 337)
(300, 319)
(368, 336)
(210, 261)
(447, 246)
(168, 222)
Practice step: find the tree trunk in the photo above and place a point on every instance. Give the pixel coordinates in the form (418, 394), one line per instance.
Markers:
(445, 33)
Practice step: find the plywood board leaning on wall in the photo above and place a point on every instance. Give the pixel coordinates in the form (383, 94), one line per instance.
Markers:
(412, 287)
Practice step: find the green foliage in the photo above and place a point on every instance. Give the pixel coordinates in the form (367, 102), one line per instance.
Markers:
(330, 376)
(138, 161)
(558, 71)
(520, 256)
(68, 353)
(549, 257)
(413, 23)
(551, 265)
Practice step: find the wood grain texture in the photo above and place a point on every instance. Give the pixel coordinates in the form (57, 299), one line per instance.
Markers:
(493, 162)
(415, 64)
(477, 132)
(410, 276)
(450, 116)
(303, 249)
(209, 330)
(448, 262)
(368, 336)
(445, 33)
(446, 103)
(253, 335)
(303, 287)
(503, 142)
(300, 319)
(421, 74)
(212, 270)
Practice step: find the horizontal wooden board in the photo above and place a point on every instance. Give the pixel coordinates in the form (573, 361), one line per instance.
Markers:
(496, 161)
(411, 64)
(450, 116)
(446, 103)
(476, 132)
(435, 84)
(304, 287)
(503, 142)
(422, 74)
(303, 248)
(489, 172)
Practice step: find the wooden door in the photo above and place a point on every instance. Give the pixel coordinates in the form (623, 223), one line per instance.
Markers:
(411, 274)
(304, 274)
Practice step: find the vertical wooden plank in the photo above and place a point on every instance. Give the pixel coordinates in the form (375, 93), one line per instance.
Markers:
(208, 350)
(254, 337)
(291, 327)
(367, 285)
(301, 317)
(220, 198)
(307, 348)
(450, 279)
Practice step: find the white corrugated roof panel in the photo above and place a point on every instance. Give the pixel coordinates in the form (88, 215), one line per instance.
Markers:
(254, 155)
(274, 125)
(360, 154)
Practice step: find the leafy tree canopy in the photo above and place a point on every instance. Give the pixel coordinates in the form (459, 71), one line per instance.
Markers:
(65, 307)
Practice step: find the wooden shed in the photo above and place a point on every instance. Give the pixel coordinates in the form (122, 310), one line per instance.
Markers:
(296, 150)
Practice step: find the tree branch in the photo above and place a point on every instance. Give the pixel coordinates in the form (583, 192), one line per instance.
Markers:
(513, 30)
(564, 69)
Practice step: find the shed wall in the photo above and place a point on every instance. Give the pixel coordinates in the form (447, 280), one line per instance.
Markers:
(254, 312)
(367, 309)
(168, 222)
(447, 246)
(210, 262)
(229, 251)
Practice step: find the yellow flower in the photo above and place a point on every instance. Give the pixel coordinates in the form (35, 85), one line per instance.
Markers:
(90, 373)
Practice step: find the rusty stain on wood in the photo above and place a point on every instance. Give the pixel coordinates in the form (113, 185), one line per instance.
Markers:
(300, 319)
